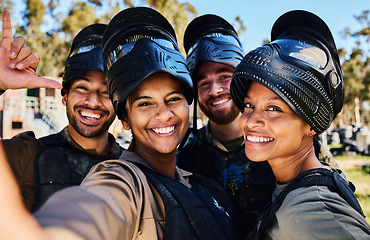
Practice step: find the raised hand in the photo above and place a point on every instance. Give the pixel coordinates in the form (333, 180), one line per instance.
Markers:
(18, 63)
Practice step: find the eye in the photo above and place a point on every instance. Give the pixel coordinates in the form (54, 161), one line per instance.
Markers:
(249, 105)
(175, 98)
(203, 84)
(144, 104)
(273, 109)
(226, 77)
(82, 88)
(105, 93)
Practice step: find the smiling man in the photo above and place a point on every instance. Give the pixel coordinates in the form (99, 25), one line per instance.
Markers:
(46, 165)
(217, 150)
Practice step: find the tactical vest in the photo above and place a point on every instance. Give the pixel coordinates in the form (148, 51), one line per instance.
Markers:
(59, 165)
(319, 177)
(249, 185)
(201, 212)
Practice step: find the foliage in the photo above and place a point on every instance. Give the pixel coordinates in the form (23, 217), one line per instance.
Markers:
(49, 29)
(354, 173)
(356, 72)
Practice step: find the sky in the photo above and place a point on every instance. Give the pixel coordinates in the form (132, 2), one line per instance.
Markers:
(259, 16)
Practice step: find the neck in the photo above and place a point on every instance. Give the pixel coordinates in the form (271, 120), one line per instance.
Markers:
(99, 144)
(228, 131)
(164, 163)
(288, 168)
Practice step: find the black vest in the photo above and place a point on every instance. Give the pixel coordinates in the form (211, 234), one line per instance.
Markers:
(248, 184)
(320, 177)
(201, 212)
(58, 166)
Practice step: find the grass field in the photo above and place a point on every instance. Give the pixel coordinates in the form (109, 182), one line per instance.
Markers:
(359, 176)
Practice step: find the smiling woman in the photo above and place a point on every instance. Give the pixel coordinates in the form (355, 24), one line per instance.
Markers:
(143, 194)
(159, 119)
(289, 91)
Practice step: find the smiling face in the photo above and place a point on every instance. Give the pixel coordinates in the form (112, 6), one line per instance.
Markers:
(89, 110)
(271, 129)
(213, 82)
(158, 115)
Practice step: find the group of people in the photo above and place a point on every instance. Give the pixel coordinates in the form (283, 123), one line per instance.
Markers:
(257, 170)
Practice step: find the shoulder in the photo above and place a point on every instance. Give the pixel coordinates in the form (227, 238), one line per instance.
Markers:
(21, 147)
(116, 170)
(315, 212)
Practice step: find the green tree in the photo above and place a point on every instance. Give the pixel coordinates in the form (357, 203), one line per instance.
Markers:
(356, 72)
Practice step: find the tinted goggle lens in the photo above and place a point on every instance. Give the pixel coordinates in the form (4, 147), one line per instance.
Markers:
(123, 49)
(218, 38)
(307, 52)
(86, 47)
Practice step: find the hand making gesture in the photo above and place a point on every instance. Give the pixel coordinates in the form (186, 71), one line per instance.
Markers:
(18, 63)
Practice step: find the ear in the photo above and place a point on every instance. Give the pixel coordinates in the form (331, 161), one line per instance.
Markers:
(310, 132)
(64, 99)
(126, 125)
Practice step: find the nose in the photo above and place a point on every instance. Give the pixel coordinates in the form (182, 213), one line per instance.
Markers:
(216, 89)
(251, 120)
(163, 113)
(93, 99)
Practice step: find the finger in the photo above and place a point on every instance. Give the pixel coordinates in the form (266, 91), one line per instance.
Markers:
(20, 60)
(40, 82)
(31, 61)
(18, 43)
(7, 26)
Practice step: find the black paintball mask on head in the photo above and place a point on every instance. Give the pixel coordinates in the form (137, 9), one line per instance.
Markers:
(85, 54)
(212, 38)
(300, 65)
(137, 43)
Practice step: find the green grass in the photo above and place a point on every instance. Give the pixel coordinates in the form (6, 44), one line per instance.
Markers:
(359, 176)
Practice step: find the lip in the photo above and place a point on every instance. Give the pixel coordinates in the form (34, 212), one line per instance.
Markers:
(91, 117)
(220, 102)
(165, 131)
(253, 139)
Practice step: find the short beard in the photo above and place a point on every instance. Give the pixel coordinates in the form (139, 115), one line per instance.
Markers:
(89, 133)
(220, 119)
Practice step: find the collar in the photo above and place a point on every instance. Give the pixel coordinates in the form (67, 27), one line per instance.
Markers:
(114, 150)
(181, 175)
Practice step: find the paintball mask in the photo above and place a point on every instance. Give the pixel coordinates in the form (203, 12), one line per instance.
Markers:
(137, 43)
(300, 65)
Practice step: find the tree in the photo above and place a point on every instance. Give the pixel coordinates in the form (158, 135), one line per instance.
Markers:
(356, 72)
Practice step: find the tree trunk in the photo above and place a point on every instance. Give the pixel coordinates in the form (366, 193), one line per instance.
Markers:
(357, 111)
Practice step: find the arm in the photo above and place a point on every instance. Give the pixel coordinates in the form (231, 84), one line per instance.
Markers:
(15, 221)
(18, 63)
(109, 204)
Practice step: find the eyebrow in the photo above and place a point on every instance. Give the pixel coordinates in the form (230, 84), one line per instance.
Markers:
(219, 71)
(148, 97)
(224, 69)
(82, 78)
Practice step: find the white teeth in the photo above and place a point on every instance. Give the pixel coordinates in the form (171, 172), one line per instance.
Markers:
(220, 102)
(90, 115)
(259, 139)
(164, 130)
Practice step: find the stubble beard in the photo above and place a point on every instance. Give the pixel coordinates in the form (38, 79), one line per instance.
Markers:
(89, 131)
(220, 117)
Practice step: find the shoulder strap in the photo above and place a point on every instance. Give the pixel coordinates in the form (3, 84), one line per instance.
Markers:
(54, 140)
(203, 225)
(319, 177)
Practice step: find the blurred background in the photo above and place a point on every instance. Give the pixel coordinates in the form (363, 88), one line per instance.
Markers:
(50, 25)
